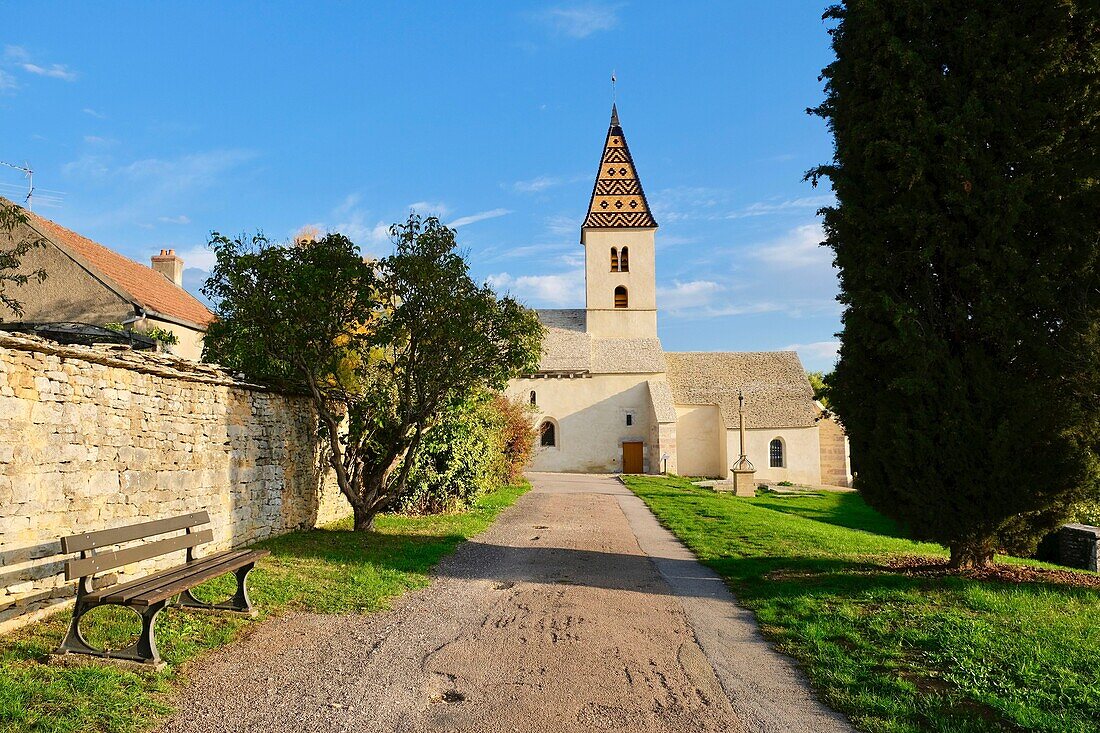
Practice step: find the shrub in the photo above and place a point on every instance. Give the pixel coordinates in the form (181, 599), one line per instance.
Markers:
(517, 434)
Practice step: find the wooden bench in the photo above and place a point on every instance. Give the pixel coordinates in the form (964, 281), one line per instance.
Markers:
(148, 595)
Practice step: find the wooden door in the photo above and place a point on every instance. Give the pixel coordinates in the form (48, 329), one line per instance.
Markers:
(632, 458)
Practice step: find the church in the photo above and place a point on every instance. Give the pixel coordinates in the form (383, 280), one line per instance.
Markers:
(607, 398)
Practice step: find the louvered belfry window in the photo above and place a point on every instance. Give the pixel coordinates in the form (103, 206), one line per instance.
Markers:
(620, 297)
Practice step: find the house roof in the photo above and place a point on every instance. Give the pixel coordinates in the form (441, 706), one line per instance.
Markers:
(142, 285)
(618, 200)
(777, 392)
(568, 347)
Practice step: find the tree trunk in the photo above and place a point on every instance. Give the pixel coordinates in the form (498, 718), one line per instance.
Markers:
(973, 552)
(364, 519)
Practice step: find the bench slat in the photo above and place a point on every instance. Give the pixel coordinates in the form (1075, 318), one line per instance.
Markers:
(118, 558)
(118, 535)
(119, 593)
(177, 587)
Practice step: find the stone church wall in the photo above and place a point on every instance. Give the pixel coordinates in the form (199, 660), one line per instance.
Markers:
(834, 453)
(95, 438)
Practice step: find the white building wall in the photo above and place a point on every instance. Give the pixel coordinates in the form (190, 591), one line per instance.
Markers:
(591, 417)
(801, 451)
(699, 441)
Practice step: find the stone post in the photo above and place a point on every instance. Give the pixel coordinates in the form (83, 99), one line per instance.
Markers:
(744, 483)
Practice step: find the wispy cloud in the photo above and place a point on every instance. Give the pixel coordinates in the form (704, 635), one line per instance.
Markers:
(93, 113)
(430, 208)
(764, 208)
(480, 216)
(181, 219)
(541, 183)
(581, 21)
(7, 82)
(563, 225)
(682, 296)
(562, 289)
(54, 71)
(816, 352)
(798, 249)
(147, 187)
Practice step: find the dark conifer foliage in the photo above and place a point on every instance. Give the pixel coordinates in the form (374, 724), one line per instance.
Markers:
(966, 232)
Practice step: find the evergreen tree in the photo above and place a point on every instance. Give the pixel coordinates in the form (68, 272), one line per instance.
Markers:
(966, 234)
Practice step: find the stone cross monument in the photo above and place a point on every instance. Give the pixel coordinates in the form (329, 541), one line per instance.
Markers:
(743, 471)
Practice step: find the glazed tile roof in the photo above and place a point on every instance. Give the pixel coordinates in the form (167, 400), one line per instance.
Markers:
(142, 285)
(618, 200)
(777, 392)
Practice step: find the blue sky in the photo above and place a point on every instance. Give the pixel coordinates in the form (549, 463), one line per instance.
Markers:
(150, 124)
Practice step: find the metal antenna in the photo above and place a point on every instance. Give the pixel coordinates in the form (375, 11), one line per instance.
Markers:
(30, 178)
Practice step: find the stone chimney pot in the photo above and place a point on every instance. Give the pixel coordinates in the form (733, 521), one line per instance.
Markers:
(170, 265)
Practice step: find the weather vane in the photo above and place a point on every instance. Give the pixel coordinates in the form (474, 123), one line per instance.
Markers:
(613, 99)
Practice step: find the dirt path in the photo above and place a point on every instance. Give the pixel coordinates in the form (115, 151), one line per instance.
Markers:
(575, 611)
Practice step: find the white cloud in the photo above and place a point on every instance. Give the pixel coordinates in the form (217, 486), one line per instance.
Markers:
(181, 219)
(97, 140)
(541, 183)
(800, 248)
(562, 289)
(199, 257)
(682, 296)
(480, 216)
(581, 21)
(763, 208)
(562, 225)
(148, 187)
(54, 71)
(817, 352)
(7, 82)
(92, 113)
(430, 208)
(17, 53)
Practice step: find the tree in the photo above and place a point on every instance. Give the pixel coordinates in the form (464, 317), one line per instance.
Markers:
(16, 240)
(966, 234)
(382, 348)
(820, 383)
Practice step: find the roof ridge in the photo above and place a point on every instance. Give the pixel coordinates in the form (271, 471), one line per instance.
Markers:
(140, 284)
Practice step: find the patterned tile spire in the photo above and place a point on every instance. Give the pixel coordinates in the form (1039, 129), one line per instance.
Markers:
(618, 201)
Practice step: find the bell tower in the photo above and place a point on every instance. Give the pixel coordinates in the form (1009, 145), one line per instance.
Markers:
(618, 237)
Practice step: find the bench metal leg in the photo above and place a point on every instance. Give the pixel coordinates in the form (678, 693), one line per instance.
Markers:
(240, 602)
(142, 651)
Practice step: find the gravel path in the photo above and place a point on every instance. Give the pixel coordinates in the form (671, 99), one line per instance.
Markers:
(575, 611)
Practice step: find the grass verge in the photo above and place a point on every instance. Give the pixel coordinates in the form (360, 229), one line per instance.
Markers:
(330, 570)
(894, 650)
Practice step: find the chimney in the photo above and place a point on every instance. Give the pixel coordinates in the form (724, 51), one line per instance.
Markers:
(169, 265)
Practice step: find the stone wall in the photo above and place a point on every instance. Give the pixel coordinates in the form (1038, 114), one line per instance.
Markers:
(834, 453)
(95, 438)
(1079, 546)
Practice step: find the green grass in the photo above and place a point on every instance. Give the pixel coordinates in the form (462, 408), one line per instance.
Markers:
(894, 652)
(330, 570)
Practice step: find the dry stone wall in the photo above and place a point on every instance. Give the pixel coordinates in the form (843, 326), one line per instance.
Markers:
(93, 438)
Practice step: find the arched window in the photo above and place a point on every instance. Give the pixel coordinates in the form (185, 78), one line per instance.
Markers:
(620, 297)
(775, 454)
(532, 397)
(614, 260)
(547, 435)
(624, 260)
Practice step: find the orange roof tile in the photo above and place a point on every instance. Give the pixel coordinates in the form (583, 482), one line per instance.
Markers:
(147, 287)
